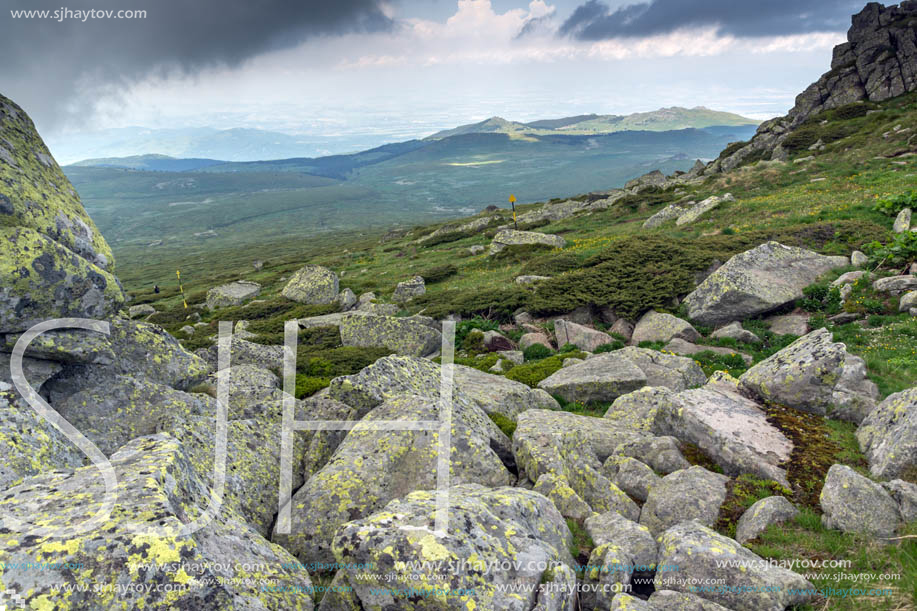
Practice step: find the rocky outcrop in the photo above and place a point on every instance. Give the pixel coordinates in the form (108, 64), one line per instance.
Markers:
(233, 294)
(409, 289)
(690, 494)
(661, 327)
(853, 503)
(878, 62)
(407, 336)
(757, 281)
(511, 237)
(312, 285)
(580, 336)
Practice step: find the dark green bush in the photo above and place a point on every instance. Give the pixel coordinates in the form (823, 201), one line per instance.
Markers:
(503, 423)
(439, 273)
(496, 304)
(615, 345)
(534, 372)
(306, 386)
(802, 138)
(550, 265)
(536, 352)
(731, 148)
(821, 298)
(463, 328)
(893, 205)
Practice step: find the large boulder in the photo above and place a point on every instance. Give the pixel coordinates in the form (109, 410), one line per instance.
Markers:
(490, 531)
(141, 544)
(689, 494)
(853, 503)
(704, 555)
(637, 410)
(401, 335)
(701, 208)
(54, 263)
(761, 515)
(665, 370)
(888, 435)
(816, 375)
(312, 285)
(757, 281)
(735, 331)
(730, 428)
(896, 285)
(511, 237)
(670, 600)
(232, 294)
(580, 336)
(372, 467)
(661, 327)
(603, 378)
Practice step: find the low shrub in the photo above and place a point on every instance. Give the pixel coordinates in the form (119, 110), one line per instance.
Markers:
(503, 423)
(439, 273)
(891, 206)
(536, 352)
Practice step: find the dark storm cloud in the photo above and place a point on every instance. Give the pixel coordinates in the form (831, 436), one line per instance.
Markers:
(595, 20)
(58, 68)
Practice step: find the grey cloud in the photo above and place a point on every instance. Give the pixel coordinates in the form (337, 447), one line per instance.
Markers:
(58, 69)
(595, 20)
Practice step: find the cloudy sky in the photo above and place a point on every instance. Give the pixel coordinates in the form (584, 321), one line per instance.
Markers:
(402, 68)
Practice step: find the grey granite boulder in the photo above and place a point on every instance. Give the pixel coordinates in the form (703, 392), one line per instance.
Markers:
(637, 410)
(761, 515)
(896, 285)
(689, 494)
(409, 289)
(853, 503)
(730, 428)
(670, 600)
(905, 495)
(902, 221)
(312, 285)
(662, 454)
(661, 327)
(489, 529)
(702, 554)
(511, 237)
(401, 335)
(888, 435)
(602, 378)
(580, 336)
(630, 475)
(813, 374)
(757, 281)
(735, 331)
(233, 294)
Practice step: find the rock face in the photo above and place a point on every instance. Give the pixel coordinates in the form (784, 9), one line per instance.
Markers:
(159, 492)
(757, 281)
(661, 327)
(853, 503)
(233, 294)
(511, 237)
(814, 374)
(580, 336)
(732, 429)
(312, 285)
(54, 263)
(409, 289)
(487, 528)
(902, 221)
(878, 62)
(372, 467)
(888, 435)
(700, 553)
(406, 336)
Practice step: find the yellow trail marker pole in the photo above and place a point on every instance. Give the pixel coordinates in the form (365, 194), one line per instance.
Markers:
(181, 289)
(512, 201)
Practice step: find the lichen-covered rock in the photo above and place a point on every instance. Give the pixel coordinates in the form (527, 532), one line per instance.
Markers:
(41, 280)
(612, 527)
(753, 585)
(409, 289)
(568, 502)
(807, 374)
(322, 444)
(580, 336)
(895, 285)
(312, 285)
(346, 300)
(488, 529)
(530, 339)
(689, 494)
(858, 258)
(511, 237)
(602, 378)
(252, 390)
(141, 544)
(140, 311)
(853, 503)
(701, 208)
(36, 195)
(232, 294)
(530, 279)
(401, 335)
(626, 602)
(36, 371)
(732, 429)
(661, 327)
(637, 410)
(555, 595)
(495, 341)
(244, 352)
(670, 600)
(908, 301)
(788, 324)
(757, 281)
(635, 478)
(902, 221)
(372, 467)
(123, 408)
(496, 394)
(31, 444)
(888, 435)
(761, 515)
(905, 495)
(680, 346)
(663, 454)
(583, 469)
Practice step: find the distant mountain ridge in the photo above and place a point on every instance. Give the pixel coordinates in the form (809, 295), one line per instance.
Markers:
(664, 119)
